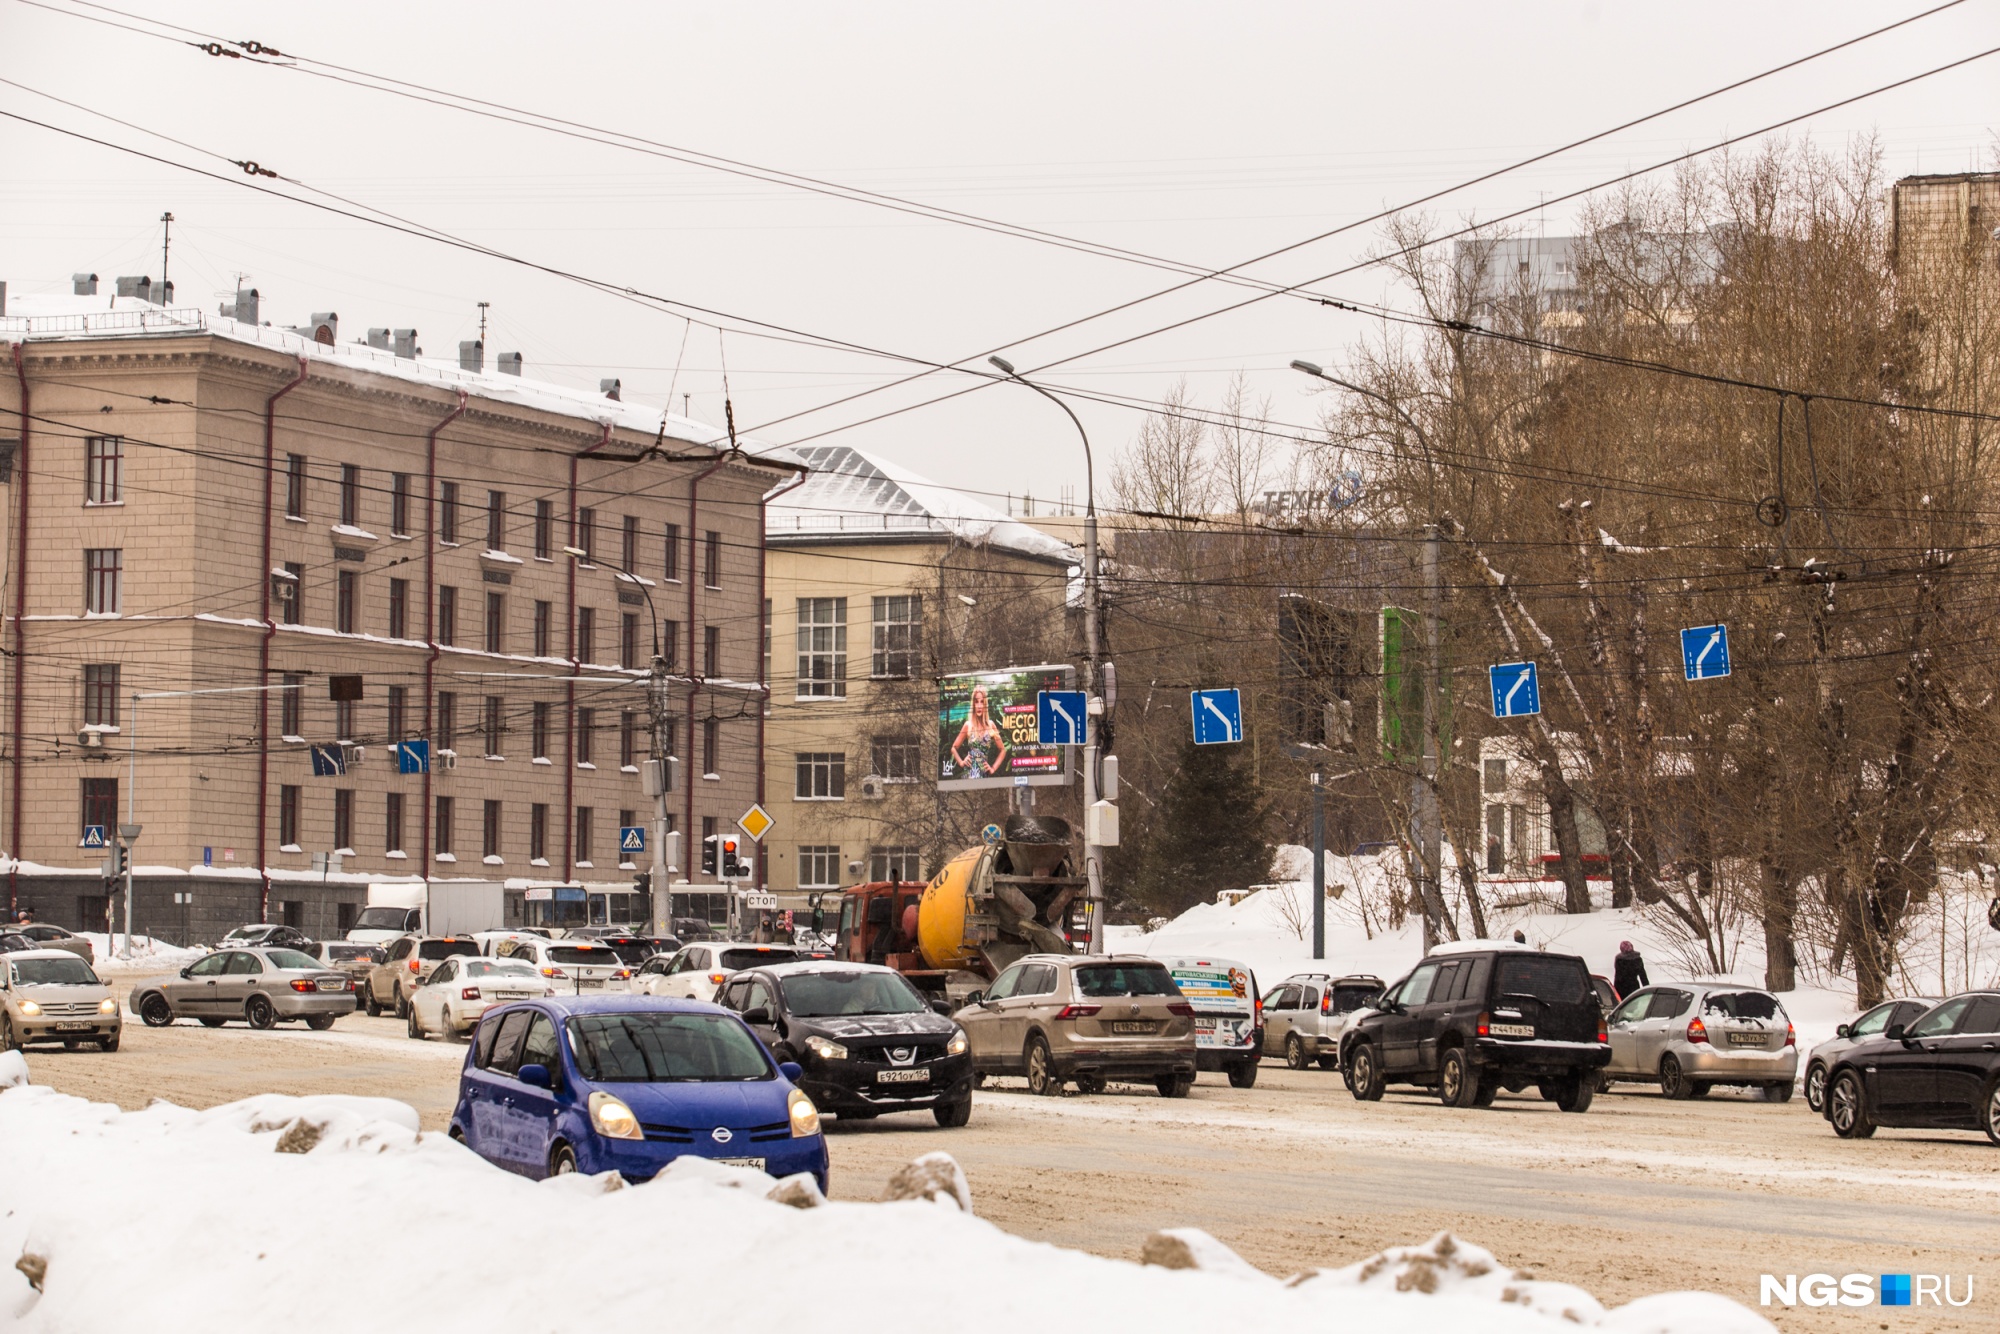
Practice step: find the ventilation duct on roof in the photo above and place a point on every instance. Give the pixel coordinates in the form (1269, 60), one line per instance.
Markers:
(611, 389)
(509, 363)
(142, 288)
(166, 292)
(406, 344)
(472, 356)
(3, 298)
(323, 328)
(379, 338)
(243, 308)
(83, 284)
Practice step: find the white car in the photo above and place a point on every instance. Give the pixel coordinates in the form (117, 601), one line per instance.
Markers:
(699, 970)
(493, 943)
(571, 966)
(462, 989)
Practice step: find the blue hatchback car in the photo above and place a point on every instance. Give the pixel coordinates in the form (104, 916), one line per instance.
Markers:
(630, 1083)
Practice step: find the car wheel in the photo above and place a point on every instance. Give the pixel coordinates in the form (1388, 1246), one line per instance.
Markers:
(1699, 1089)
(402, 1003)
(259, 1013)
(1489, 1089)
(1041, 1067)
(1458, 1082)
(979, 1079)
(1989, 1112)
(1673, 1083)
(213, 1023)
(456, 1134)
(952, 1114)
(562, 1161)
(1574, 1093)
(1847, 1107)
(370, 1004)
(1364, 1074)
(416, 1029)
(319, 1023)
(72, 1044)
(108, 1044)
(1243, 1074)
(1329, 1062)
(1816, 1087)
(1778, 1090)
(1089, 1084)
(1174, 1086)
(1295, 1053)
(155, 1012)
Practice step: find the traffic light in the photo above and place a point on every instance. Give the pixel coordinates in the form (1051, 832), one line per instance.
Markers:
(642, 883)
(711, 848)
(734, 866)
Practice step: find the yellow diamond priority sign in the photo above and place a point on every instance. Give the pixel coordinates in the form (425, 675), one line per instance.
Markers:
(755, 822)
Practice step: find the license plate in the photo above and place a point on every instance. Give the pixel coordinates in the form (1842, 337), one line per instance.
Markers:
(1511, 1030)
(1203, 1025)
(73, 1027)
(757, 1163)
(1746, 1039)
(1132, 1027)
(902, 1076)
(589, 984)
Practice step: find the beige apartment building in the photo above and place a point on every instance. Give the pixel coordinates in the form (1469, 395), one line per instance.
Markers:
(879, 582)
(310, 547)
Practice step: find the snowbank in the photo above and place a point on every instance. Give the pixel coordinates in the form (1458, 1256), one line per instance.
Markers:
(149, 956)
(453, 1243)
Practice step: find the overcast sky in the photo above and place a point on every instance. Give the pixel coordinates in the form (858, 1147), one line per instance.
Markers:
(1200, 133)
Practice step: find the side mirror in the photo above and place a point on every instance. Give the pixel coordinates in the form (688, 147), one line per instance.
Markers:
(1840, 1032)
(188, 971)
(791, 1070)
(760, 1015)
(942, 1007)
(976, 998)
(1894, 1033)
(534, 1075)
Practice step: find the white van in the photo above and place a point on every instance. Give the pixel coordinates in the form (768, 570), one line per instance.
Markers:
(1228, 1014)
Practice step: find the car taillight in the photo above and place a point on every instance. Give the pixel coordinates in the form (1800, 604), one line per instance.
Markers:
(413, 965)
(554, 972)
(1485, 1028)
(1602, 1034)
(302, 984)
(1179, 1007)
(1326, 1003)
(1078, 1011)
(1697, 1031)
(1791, 1036)
(717, 979)
(1260, 1009)
(621, 974)
(468, 993)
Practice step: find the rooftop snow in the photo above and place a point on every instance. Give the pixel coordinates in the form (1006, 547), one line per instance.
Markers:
(851, 496)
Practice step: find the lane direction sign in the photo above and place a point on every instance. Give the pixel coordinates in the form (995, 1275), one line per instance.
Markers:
(1218, 716)
(1061, 718)
(1517, 691)
(1705, 651)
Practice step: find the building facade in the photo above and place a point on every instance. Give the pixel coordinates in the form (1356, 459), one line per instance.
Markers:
(313, 552)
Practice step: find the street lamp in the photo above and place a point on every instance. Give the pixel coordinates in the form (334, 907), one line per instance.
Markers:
(1090, 637)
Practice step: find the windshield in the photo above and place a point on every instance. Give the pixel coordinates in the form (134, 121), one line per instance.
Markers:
(382, 919)
(1545, 977)
(291, 959)
(585, 954)
(1125, 979)
(247, 933)
(670, 1048)
(69, 972)
(812, 995)
(631, 951)
(497, 968)
(445, 949)
(750, 958)
(1744, 1005)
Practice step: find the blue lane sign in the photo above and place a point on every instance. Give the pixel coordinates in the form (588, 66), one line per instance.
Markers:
(1705, 651)
(1517, 692)
(1218, 716)
(1061, 718)
(93, 836)
(413, 757)
(631, 838)
(328, 761)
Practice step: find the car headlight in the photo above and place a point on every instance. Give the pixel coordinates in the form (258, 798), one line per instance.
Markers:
(613, 1119)
(826, 1049)
(107, 1006)
(30, 1009)
(805, 1116)
(959, 1042)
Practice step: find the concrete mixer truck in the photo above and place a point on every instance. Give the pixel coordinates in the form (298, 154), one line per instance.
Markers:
(985, 908)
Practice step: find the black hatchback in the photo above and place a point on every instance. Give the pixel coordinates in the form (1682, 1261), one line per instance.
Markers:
(1941, 1072)
(866, 1040)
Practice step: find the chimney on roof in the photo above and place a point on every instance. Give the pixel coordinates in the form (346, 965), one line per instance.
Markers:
(510, 363)
(379, 338)
(406, 344)
(242, 309)
(141, 288)
(472, 355)
(325, 327)
(83, 284)
(3, 298)
(166, 292)
(611, 389)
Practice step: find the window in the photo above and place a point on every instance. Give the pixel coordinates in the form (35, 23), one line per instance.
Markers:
(489, 840)
(629, 556)
(496, 621)
(494, 725)
(538, 731)
(399, 609)
(399, 504)
(446, 731)
(103, 577)
(899, 863)
(295, 486)
(545, 524)
(448, 513)
(586, 533)
(586, 725)
(822, 776)
(288, 815)
(399, 714)
(538, 832)
(100, 805)
(343, 817)
(711, 650)
(899, 628)
(544, 617)
(628, 741)
(671, 572)
(629, 654)
(103, 470)
(496, 520)
(711, 560)
(346, 597)
(444, 824)
(586, 634)
(583, 836)
(1496, 775)
(670, 642)
(898, 759)
(343, 719)
(711, 746)
(291, 591)
(350, 494)
(819, 867)
(100, 694)
(392, 823)
(447, 614)
(822, 648)
(1940, 1021)
(291, 705)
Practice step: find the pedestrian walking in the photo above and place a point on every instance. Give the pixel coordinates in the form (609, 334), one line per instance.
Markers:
(1628, 970)
(1520, 937)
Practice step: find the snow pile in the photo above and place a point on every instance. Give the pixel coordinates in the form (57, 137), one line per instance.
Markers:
(447, 1236)
(149, 956)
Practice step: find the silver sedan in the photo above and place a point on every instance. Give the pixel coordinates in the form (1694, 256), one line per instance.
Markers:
(1691, 1036)
(258, 986)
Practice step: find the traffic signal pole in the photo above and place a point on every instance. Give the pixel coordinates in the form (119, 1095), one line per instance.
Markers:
(660, 906)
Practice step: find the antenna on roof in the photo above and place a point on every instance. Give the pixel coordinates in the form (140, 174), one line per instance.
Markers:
(482, 320)
(166, 242)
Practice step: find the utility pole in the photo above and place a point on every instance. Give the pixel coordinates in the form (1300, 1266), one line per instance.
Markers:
(1319, 868)
(1424, 798)
(166, 243)
(660, 782)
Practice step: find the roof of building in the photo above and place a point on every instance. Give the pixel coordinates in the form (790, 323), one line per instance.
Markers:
(61, 317)
(853, 496)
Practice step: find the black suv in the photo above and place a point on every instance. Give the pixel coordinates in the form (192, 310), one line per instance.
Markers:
(1472, 1020)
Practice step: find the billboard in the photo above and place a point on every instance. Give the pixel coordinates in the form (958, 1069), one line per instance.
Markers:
(987, 728)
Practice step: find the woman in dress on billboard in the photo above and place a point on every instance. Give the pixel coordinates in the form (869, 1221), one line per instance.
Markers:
(969, 749)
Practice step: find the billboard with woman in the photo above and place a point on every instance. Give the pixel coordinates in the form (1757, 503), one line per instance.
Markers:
(986, 729)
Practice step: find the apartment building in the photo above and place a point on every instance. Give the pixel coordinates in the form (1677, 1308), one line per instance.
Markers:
(245, 565)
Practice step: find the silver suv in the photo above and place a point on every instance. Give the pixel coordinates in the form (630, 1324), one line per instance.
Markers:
(1305, 1015)
(1087, 1017)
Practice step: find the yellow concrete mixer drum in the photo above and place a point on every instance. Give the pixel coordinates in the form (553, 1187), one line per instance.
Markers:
(947, 903)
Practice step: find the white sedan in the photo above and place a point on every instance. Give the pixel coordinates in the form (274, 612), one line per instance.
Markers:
(463, 988)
